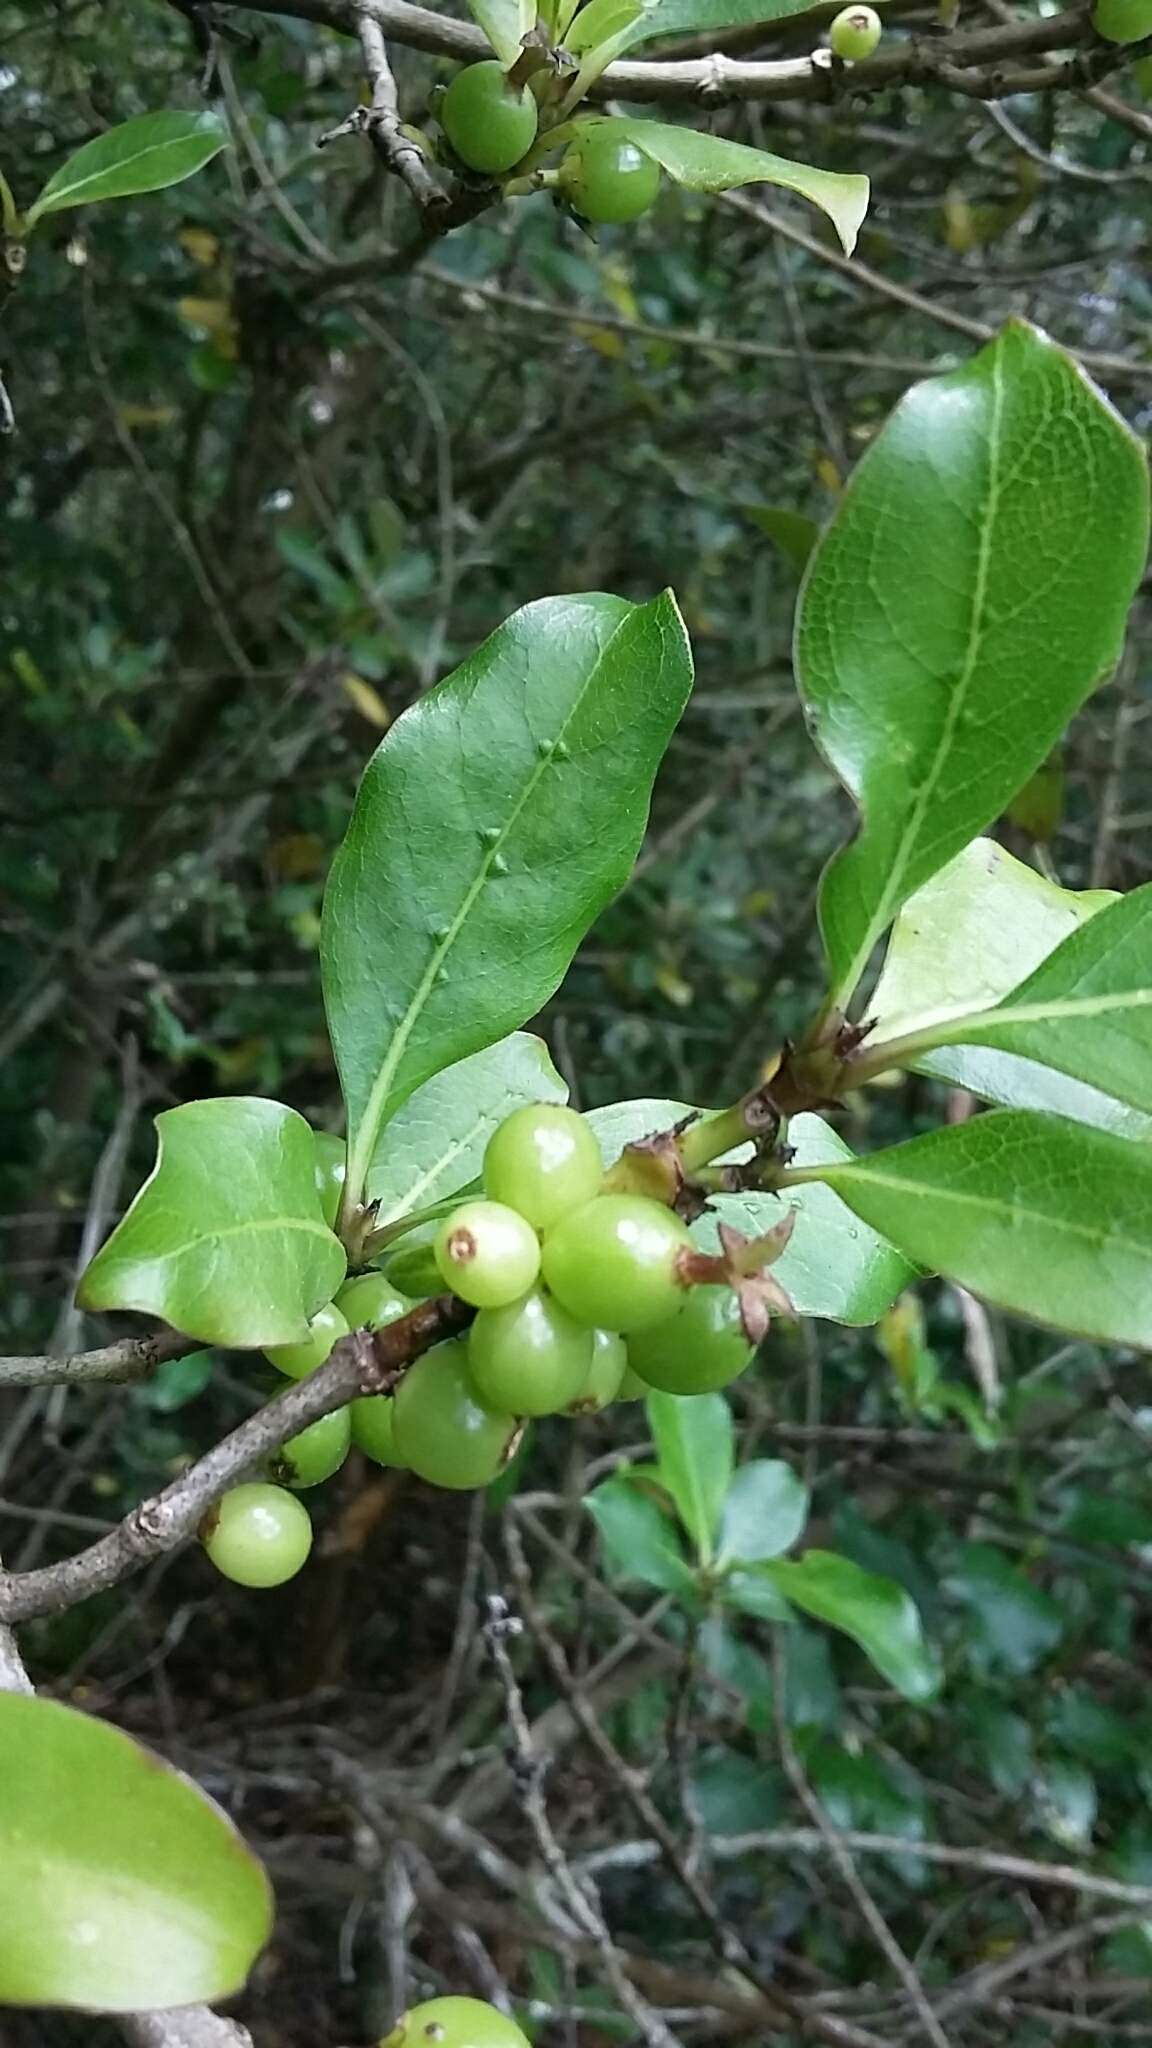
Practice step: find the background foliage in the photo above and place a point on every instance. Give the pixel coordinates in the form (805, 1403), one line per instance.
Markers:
(262, 494)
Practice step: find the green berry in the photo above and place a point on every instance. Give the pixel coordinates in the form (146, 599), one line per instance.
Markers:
(698, 1349)
(543, 1161)
(632, 1387)
(605, 1375)
(454, 2023)
(315, 1454)
(613, 1262)
(331, 1161)
(606, 177)
(529, 1358)
(1122, 21)
(412, 1267)
(297, 1360)
(489, 123)
(487, 1253)
(442, 1432)
(370, 1302)
(374, 1429)
(257, 1535)
(855, 33)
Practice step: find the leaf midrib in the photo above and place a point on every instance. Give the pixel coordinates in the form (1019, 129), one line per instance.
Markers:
(891, 894)
(55, 193)
(369, 1131)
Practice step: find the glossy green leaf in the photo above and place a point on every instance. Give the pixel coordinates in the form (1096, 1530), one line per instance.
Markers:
(968, 595)
(142, 155)
(834, 1266)
(875, 1612)
(1087, 1009)
(682, 17)
(693, 1438)
(960, 944)
(1017, 1624)
(225, 1239)
(505, 23)
(765, 1510)
(710, 163)
(435, 1144)
(640, 1538)
(456, 851)
(1042, 1216)
(121, 1885)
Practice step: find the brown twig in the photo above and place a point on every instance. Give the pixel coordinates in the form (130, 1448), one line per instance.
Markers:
(133, 1358)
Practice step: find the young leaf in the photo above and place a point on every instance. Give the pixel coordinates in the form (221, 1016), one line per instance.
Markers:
(640, 1540)
(693, 1438)
(1087, 1009)
(764, 1513)
(456, 850)
(1045, 1217)
(968, 595)
(620, 22)
(875, 1612)
(225, 1239)
(961, 943)
(505, 23)
(124, 1886)
(142, 155)
(831, 1267)
(436, 1142)
(710, 163)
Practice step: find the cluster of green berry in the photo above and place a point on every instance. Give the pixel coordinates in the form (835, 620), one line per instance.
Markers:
(581, 1300)
(492, 124)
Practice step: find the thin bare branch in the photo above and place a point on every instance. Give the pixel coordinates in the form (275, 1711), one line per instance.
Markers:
(133, 1358)
(974, 62)
(360, 1364)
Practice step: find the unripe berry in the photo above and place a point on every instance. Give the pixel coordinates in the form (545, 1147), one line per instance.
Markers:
(331, 1162)
(315, 1454)
(374, 1429)
(529, 1358)
(297, 1360)
(855, 34)
(489, 123)
(257, 1535)
(605, 1375)
(543, 1160)
(613, 1263)
(698, 1349)
(454, 2023)
(442, 1432)
(607, 177)
(370, 1302)
(487, 1253)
